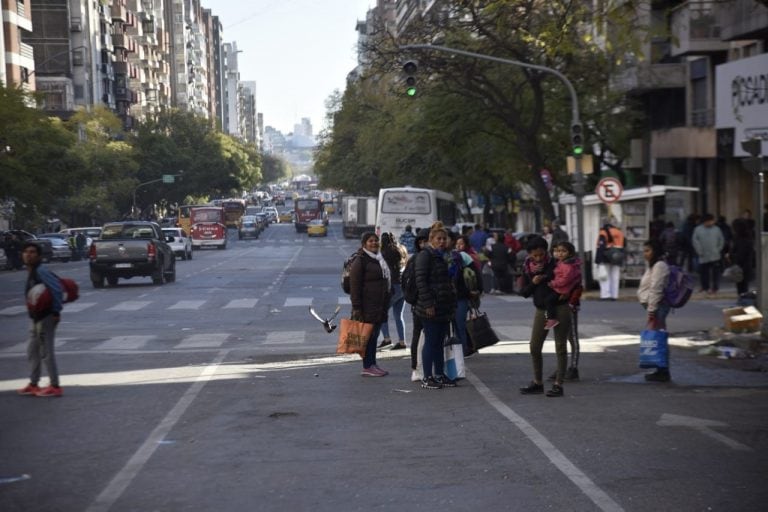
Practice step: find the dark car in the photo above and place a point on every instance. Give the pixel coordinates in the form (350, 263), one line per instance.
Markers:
(25, 236)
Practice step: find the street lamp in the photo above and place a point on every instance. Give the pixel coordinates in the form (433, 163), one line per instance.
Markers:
(166, 178)
(578, 176)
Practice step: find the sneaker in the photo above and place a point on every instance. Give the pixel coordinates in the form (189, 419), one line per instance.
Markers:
(400, 346)
(383, 372)
(50, 391)
(572, 373)
(415, 376)
(29, 389)
(658, 376)
(384, 344)
(446, 382)
(556, 390)
(552, 377)
(431, 383)
(532, 389)
(551, 324)
(372, 371)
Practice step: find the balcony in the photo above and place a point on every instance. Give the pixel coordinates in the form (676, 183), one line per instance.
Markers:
(118, 11)
(124, 41)
(645, 76)
(126, 69)
(684, 142)
(696, 30)
(742, 19)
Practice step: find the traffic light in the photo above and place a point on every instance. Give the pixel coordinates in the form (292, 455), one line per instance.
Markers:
(577, 139)
(409, 71)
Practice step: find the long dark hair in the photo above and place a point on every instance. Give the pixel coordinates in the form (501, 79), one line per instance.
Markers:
(658, 251)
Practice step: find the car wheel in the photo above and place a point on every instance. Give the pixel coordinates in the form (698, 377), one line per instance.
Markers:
(171, 276)
(184, 255)
(97, 280)
(112, 281)
(158, 276)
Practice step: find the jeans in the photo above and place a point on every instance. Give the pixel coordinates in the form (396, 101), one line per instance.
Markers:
(715, 269)
(370, 349)
(462, 306)
(432, 354)
(397, 303)
(40, 350)
(661, 316)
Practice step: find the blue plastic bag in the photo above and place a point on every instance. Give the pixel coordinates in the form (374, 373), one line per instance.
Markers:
(654, 349)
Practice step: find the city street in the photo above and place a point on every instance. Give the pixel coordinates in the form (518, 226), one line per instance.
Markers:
(221, 392)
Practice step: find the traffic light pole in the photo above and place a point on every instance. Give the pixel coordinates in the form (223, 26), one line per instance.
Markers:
(578, 176)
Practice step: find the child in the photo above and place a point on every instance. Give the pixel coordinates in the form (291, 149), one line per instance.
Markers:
(566, 278)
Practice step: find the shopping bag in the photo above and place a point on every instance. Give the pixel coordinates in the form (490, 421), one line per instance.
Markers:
(453, 356)
(353, 337)
(480, 332)
(602, 272)
(734, 273)
(654, 349)
(418, 373)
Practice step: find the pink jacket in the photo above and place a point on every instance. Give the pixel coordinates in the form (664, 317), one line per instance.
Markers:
(567, 276)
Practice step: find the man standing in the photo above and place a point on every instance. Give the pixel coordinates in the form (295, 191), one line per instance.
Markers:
(478, 238)
(708, 242)
(44, 321)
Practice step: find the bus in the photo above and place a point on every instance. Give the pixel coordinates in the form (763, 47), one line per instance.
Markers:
(183, 220)
(208, 227)
(307, 209)
(234, 209)
(415, 207)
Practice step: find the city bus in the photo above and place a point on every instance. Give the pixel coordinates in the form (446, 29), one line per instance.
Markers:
(183, 220)
(208, 227)
(234, 209)
(307, 209)
(415, 207)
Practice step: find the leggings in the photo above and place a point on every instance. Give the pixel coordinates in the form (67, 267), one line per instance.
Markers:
(417, 327)
(539, 334)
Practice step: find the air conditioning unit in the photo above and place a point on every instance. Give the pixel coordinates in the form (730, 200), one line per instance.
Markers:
(75, 26)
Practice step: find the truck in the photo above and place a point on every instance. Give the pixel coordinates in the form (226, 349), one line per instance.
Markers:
(358, 214)
(131, 249)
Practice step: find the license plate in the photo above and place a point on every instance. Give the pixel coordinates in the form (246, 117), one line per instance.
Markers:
(123, 265)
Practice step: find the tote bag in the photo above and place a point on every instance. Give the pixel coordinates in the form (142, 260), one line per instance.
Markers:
(480, 332)
(453, 355)
(353, 337)
(654, 349)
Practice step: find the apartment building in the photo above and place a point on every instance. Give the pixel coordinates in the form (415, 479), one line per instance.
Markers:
(17, 62)
(232, 89)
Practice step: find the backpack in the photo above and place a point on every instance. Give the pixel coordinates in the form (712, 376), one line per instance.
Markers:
(679, 287)
(346, 270)
(470, 279)
(408, 281)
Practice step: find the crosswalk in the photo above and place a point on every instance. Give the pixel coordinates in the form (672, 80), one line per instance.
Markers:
(182, 305)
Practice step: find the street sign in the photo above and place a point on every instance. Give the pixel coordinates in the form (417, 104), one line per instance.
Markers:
(168, 178)
(609, 190)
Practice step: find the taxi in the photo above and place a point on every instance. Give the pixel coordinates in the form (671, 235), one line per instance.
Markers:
(285, 216)
(317, 227)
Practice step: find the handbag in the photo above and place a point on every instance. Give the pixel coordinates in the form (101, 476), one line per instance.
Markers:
(734, 274)
(602, 272)
(614, 255)
(353, 337)
(479, 329)
(654, 349)
(453, 356)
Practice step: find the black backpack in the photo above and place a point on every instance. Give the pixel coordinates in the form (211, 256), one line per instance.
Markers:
(346, 270)
(408, 281)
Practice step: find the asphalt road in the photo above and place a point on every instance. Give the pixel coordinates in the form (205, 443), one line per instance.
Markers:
(220, 392)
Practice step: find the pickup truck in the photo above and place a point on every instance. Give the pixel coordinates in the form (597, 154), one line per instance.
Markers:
(130, 249)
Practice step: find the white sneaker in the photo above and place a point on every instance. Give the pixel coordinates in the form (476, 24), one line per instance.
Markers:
(415, 376)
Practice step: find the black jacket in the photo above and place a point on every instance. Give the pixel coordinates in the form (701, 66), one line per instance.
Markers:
(369, 290)
(435, 286)
(540, 292)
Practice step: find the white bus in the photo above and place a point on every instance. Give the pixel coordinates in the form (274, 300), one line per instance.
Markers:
(415, 207)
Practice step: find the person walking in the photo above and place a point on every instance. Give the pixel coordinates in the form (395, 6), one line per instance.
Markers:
(42, 332)
(478, 238)
(436, 305)
(396, 256)
(81, 242)
(538, 271)
(370, 285)
(609, 258)
(708, 242)
(650, 294)
(742, 253)
(408, 240)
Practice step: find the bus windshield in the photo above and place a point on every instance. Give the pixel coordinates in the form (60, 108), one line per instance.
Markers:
(207, 215)
(406, 201)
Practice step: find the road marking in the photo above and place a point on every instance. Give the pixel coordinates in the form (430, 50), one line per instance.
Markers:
(510, 298)
(13, 310)
(130, 305)
(285, 337)
(555, 456)
(125, 342)
(188, 304)
(297, 301)
(125, 476)
(203, 340)
(703, 426)
(241, 303)
(76, 307)
(19, 347)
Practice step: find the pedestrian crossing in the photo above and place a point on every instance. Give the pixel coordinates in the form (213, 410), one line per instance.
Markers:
(184, 305)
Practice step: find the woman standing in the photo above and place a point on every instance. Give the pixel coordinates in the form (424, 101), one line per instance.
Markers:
(467, 290)
(395, 255)
(650, 293)
(369, 284)
(435, 306)
(609, 258)
(742, 253)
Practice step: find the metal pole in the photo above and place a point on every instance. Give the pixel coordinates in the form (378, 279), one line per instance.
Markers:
(759, 183)
(578, 187)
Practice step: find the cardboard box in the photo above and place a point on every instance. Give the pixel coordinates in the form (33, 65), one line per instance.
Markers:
(747, 319)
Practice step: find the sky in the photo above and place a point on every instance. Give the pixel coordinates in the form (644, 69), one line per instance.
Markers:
(297, 51)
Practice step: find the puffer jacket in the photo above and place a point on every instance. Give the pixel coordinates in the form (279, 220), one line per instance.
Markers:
(540, 292)
(369, 289)
(435, 286)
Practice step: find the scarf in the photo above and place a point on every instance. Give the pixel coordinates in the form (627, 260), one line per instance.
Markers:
(383, 264)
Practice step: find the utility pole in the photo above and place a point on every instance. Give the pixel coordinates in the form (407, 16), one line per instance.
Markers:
(578, 175)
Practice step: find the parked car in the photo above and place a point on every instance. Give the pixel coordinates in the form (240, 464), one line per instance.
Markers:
(317, 227)
(61, 249)
(181, 244)
(250, 227)
(25, 236)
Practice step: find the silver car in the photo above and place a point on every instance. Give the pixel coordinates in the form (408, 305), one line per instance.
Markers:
(181, 245)
(250, 227)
